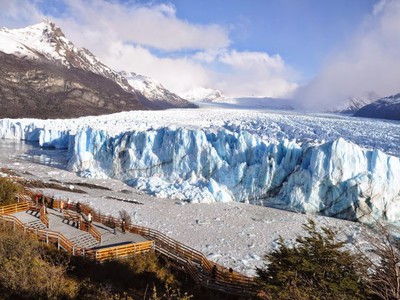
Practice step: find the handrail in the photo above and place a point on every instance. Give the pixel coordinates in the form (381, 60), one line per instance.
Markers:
(187, 257)
(50, 236)
(119, 251)
(13, 208)
(43, 216)
(94, 232)
(234, 283)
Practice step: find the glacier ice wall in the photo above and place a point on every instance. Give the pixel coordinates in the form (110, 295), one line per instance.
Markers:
(335, 178)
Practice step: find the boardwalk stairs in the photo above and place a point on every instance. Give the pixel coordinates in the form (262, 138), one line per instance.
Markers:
(37, 224)
(84, 240)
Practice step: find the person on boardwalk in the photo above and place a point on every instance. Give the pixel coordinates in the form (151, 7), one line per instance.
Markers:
(61, 206)
(123, 225)
(230, 274)
(69, 203)
(214, 272)
(78, 207)
(51, 202)
(89, 218)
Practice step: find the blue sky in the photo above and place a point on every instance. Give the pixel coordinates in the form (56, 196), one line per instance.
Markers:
(303, 32)
(244, 48)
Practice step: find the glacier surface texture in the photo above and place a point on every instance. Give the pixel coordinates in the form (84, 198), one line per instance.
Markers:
(335, 178)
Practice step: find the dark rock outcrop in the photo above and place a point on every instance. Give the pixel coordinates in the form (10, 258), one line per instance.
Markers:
(42, 89)
(385, 108)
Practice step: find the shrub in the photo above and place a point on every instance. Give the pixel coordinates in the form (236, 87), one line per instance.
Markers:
(317, 267)
(24, 273)
(8, 191)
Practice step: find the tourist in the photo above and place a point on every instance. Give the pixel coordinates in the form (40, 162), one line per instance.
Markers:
(61, 206)
(214, 272)
(123, 226)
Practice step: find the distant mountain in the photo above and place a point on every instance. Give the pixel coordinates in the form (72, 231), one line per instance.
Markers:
(385, 108)
(41, 70)
(46, 41)
(205, 95)
(353, 104)
(156, 94)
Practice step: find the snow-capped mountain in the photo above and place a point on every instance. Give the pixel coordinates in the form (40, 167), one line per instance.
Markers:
(354, 103)
(154, 91)
(385, 108)
(47, 41)
(204, 94)
(62, 79)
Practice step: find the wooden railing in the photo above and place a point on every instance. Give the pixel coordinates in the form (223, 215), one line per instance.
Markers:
(86, 226)
(196, 264)
(14, 208)
(43, 216)
(46, 236)
(120, 251)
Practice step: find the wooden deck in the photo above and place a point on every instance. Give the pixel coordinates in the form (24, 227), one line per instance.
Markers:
(100, 241)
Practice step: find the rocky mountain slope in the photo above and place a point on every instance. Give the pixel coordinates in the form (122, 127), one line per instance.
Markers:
(354, 103)
(385, 108)
(45, 75)
(39, 89)
(156, 94)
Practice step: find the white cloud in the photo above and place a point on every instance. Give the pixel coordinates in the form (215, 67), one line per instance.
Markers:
(152, 40)
(178, 74)
(19, 13)
(370, 62)
(154, 26)
(256, 74)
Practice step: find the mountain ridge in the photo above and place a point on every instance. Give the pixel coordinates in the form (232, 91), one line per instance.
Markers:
(384, 108)
(47, 57)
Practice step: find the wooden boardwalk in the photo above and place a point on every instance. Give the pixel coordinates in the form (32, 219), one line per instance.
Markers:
(101, 242)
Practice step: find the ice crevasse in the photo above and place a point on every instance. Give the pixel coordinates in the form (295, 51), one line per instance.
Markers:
(336, 178)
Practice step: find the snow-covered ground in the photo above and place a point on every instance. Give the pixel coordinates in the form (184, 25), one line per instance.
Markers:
(234, 234)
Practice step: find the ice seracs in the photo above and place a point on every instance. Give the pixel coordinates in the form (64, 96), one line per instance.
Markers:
(193, 158)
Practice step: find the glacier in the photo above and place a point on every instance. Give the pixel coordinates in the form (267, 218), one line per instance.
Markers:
(201, 165)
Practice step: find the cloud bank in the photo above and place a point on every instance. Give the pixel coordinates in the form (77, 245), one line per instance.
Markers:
(369, 63)
(150, 39)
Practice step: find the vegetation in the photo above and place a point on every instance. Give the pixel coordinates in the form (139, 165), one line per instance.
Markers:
(28, 271)
(317, 267)
(8, 191)
(31, 270)
(382, 263)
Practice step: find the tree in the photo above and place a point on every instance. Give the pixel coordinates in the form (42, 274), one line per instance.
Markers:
(8, 191)
(317, 267)
(381, 261)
